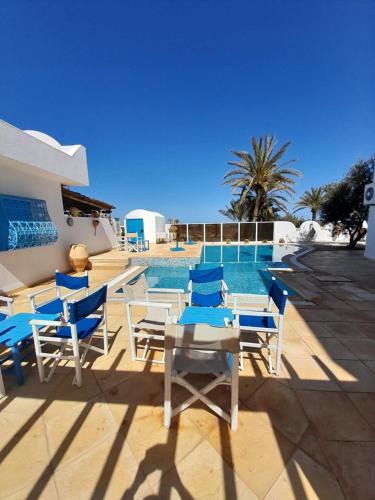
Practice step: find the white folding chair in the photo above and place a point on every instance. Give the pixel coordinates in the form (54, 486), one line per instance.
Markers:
(151, 327)
(201, 349)
(81, 320)
(266, 325)
(139, 290)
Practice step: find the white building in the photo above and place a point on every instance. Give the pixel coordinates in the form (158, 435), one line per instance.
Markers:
(33, 166)
(148, 225)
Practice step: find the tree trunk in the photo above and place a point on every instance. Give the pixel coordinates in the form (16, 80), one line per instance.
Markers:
(355, 237)
(313, 214)
(256, 208)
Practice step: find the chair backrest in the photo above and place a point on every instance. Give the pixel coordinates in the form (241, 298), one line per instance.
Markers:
(204, 298)
(202, 337)
(136, 290)
(206, 275)
(71, 282)
(278, 296)
(88, 305)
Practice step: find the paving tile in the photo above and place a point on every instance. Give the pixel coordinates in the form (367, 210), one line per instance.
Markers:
(203, 474)
(296, 348)
(248, 450)
(45, 489)
(108, 470)
(329, 347)
(27, 463)
(354, 465)
(351, 375)
(137, 406)
(342, 330)
(365, 403)
(71, 434)
(363, 348)
(306, 373)
(312, 447)
(334, 417)
(305, 478)
(282, 407)
(311, 329)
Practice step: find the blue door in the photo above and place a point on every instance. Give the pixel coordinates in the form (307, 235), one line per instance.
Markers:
(135, 226)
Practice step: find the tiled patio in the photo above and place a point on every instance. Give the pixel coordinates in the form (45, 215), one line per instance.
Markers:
(308, 434)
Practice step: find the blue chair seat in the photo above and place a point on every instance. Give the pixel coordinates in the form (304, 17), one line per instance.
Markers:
(207, 300)
(85, 328)
(257, 321)
(55, 306)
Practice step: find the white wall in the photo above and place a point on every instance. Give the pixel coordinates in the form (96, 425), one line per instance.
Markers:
(370, 240)
(284, 230)
(31, 265)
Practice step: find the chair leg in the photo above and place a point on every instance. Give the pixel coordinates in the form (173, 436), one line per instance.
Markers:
(168, 388)
(78, 377)
(17, 365)
(278, 354)
(234, 393)
(105, 337)
(2, 387)
(241, 360)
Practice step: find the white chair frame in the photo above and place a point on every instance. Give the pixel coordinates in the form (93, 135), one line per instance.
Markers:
(172, 376)
(8, 310)
(73, 343)
(59, 295)
(137, 332)
(269, 334)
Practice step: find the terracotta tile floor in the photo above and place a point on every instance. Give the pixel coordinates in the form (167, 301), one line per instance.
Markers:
(309, 433)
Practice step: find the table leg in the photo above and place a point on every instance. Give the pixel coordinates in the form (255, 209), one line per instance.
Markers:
(17, 365)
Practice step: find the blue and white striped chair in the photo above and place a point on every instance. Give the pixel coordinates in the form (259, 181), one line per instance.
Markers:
(199, 277)
(56, 305)
(266, 324)
(81, 320)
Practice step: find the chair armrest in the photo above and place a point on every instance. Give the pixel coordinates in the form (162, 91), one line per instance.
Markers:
(45, 322)
(165, 290)
(70, 294)
(249, 295)
(145, 303)
(247, 312)
(224, 286)
(8, 300)
(39, 292)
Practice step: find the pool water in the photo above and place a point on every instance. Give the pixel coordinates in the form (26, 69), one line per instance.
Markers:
(245, 268)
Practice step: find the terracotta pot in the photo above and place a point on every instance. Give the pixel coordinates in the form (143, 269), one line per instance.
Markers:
(78, 257)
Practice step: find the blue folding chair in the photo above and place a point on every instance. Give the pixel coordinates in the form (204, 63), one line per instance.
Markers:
(56, 305)
(264, 323)
(81, 320)
(206, 280)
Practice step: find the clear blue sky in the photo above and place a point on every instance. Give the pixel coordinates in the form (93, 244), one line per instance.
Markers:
(160, 91)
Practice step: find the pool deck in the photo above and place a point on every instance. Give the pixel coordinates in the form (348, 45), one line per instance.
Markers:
(118, 259)
(309, 433)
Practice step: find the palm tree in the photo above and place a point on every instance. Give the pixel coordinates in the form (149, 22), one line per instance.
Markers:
(311, 199)
(235, 211)
(259, 173)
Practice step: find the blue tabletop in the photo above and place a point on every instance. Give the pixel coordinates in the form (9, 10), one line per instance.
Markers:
(213, 316)
(16, 328)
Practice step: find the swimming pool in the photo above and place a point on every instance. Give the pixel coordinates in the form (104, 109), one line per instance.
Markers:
(245, 267)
